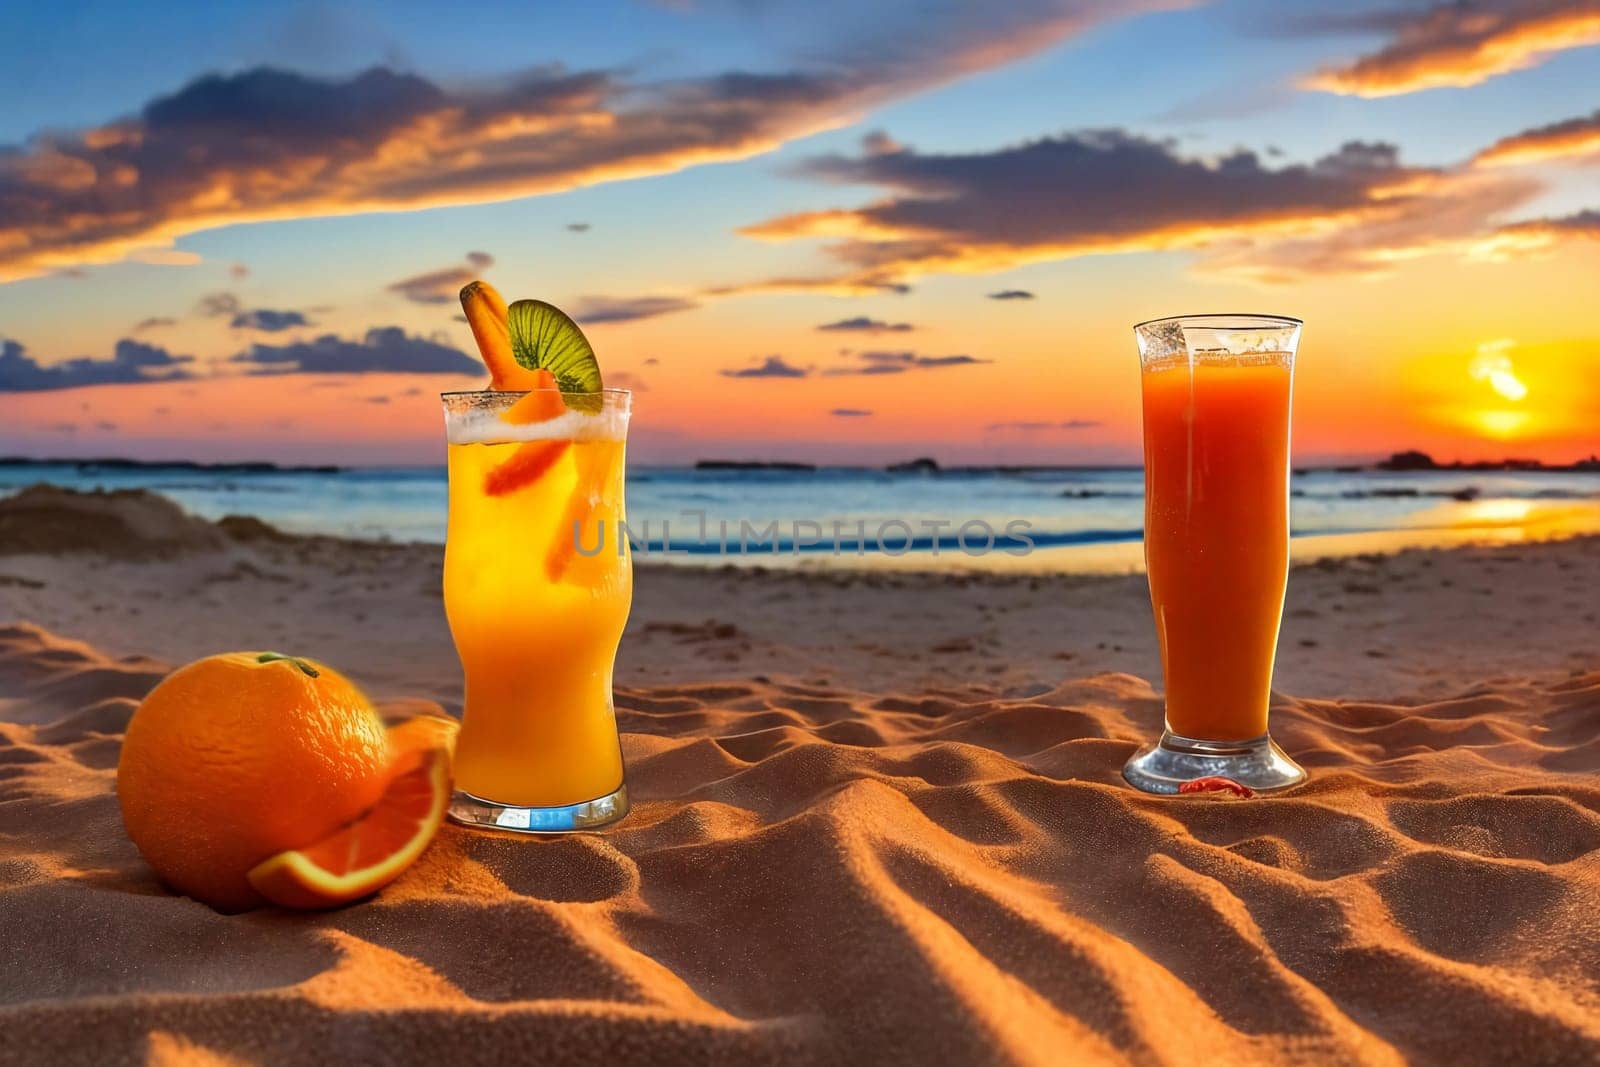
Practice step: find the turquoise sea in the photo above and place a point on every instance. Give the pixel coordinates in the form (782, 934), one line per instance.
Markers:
(728, 516)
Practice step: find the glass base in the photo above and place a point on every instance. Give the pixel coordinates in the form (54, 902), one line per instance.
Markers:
(469, 810)
(1167, 764)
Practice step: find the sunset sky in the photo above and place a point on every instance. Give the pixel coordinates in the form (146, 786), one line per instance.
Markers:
(827, 230)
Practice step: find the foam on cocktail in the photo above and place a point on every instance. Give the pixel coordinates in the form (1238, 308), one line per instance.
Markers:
(483, 425)
(1182, 361)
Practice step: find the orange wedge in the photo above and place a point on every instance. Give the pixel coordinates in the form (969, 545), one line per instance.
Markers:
(421, 732)
(525, 466)
(543, 403)
(370, 852)
(530, 461)
(597, 466)
(486, 313)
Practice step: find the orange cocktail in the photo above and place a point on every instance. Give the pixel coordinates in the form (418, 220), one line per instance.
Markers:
(537, 589)
(1216, 537)
(1216, 393)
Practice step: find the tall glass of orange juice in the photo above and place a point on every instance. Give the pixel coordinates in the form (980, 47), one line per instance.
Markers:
(1216, 392)
(537, 586)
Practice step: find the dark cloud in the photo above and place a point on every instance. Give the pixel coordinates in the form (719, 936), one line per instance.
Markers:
(651, 362)
(1011, 294)
(1456, 44)
(1572, 139)
(442, 286)
(1533, 236)
(578, 227)
(850, 413)
(854, 285)
(1234, 100)
(1111, 191)
(216, 305)
(153, 323)
(385, 349)
(377, 400)
(269, 321)
(266, 143)
(876, 362)
(771, 367)
(879, 143)
(105, 426)
(623, 380)
(1585, 223)
(1039, 427)
(239, 271)
(1285, 21)
(131, 361)
(599, 309)
(863, 324)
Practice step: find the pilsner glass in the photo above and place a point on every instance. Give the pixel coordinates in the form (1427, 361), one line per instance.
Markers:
(537, 587)
(1216, 394)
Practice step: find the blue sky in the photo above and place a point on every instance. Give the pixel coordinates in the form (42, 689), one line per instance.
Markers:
(273, 202)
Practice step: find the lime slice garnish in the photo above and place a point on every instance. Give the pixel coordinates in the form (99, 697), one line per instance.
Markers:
(543, 337)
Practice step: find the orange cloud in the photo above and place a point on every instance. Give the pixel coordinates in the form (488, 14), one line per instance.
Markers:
(1451, 217)
(1453, 45)
(1571, 139)
(1534, 236)
(268, 144)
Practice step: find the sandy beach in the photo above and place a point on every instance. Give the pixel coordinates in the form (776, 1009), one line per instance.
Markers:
(878, 819)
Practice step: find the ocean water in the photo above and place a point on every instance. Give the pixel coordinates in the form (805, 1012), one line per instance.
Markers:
(726, 516)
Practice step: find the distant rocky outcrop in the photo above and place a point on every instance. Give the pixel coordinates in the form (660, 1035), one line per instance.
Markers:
(1413, 460)
(118, 463)
(920, 465)
(751, 465)
(1408, 461)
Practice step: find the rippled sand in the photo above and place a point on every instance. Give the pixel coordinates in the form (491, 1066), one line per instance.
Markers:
(844, 856)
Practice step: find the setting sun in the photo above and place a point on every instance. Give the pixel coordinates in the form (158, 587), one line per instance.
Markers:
(1493, 365)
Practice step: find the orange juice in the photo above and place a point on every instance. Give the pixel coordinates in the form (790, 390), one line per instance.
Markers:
(536, 620)
(1216, 447)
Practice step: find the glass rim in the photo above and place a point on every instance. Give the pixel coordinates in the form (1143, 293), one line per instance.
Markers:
(1277, 320)
(528, 392)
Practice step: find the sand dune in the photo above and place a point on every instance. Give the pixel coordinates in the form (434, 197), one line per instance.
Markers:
(819, 874)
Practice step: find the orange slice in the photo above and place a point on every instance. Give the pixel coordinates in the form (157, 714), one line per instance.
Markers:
(544, 402)
(598, 466)
(422, 732)
(486, 313)
(372, 851)
(525, 466)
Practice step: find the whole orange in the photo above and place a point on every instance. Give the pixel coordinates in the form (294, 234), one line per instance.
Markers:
(240, 756)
